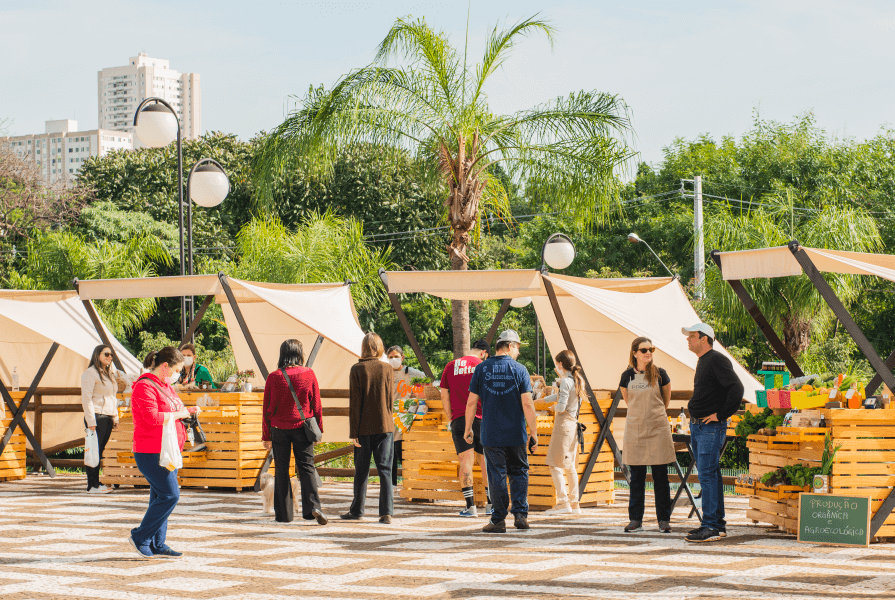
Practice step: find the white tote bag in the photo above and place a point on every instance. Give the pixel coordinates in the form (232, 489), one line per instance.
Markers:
(170, 456)
(91, 448)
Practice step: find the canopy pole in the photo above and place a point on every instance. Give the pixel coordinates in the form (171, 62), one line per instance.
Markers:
(18, 414)
(242, 325)
(195, 323)
(97, 324)
(498, 318)
(405, 324)
(605, 433)
(876, 380)
(313, 355)
(749, 304)
(829, 296)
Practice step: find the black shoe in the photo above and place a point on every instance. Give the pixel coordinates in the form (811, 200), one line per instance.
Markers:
(521, 522)
(387, 519)
(664, 526)
(634, 526)
(349, 517)
(321, 520)
(704, 534)
(492, 527)
(722, 531)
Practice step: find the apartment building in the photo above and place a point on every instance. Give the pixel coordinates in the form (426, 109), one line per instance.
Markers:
(61, 150)
(121, 89)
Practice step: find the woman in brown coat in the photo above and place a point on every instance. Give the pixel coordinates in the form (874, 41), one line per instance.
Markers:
(646, 390)
(371, 427)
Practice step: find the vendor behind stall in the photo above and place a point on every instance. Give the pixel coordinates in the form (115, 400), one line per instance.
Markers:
(401, 390)
(194, 375)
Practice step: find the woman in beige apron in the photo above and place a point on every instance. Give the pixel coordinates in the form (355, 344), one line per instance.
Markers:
(562, 452)
(646, 390)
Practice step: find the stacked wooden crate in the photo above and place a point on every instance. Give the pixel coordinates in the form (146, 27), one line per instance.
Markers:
(865, 464)
(12, 460)
(234, 454)
(430, 468)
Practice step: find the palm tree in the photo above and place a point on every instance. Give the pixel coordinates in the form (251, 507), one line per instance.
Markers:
(323, 248)
(55, 259)
(791, 304)
(432, 104)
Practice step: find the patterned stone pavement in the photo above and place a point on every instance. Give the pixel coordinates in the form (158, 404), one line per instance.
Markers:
(58, 542)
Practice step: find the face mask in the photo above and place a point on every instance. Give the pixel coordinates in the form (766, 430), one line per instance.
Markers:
(174, 377)
(395, 362)
(560, 372)
(187, 361)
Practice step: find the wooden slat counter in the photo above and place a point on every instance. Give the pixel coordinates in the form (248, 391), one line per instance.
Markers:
(235, 451)
(431, 466)
(12, 461)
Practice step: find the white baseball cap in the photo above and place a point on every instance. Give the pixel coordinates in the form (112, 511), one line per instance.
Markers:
(509, 336)
(702, 327)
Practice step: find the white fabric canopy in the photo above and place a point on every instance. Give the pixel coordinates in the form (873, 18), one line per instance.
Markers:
(780, 262)
(603, 323)
(28, 330)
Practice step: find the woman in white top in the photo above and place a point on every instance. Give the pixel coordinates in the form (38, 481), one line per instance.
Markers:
(562, 452)
(402, 374)
(98, 388)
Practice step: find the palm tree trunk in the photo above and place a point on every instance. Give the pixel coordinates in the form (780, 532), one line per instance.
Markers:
(460, 314)
(796, 334)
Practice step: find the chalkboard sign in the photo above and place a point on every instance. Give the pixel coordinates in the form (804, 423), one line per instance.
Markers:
(831, 519)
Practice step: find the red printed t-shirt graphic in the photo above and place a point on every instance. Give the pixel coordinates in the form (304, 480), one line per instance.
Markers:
(455, 379)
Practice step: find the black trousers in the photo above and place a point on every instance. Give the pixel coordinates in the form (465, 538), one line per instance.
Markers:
(103, 431)
(381, 448)
(285, 443)
(399, 456)
(638, 490)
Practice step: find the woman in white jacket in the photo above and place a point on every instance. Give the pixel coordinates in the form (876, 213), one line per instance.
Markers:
(98, 388)
(562, 452)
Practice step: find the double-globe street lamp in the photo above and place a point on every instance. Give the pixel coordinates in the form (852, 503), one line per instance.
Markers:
(557, 253)
(157, 125)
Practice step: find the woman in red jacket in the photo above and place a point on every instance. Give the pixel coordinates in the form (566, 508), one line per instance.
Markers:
(153, 403)
(282, 429)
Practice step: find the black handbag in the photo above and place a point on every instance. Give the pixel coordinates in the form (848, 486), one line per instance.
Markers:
(312, 430)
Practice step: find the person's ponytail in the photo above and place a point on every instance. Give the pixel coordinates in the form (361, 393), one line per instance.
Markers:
(578, 375)
(168, 354)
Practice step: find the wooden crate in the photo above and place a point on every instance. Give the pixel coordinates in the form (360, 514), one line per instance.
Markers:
(234, 453)
(431, 467)
(12, 461)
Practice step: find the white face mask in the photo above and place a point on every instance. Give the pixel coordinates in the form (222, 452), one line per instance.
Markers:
(174, 377)
(395, 362)
(187, 361)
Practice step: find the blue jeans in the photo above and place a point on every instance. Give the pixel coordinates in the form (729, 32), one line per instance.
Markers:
(380, 447)
(163, 496)
(503, 461)
(708, 440)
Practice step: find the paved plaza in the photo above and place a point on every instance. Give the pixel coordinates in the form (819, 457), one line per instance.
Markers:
(58, 542)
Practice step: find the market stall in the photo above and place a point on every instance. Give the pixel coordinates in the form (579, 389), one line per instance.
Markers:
(864, 463)
(259, 317)
(599, 318)
(46, 341)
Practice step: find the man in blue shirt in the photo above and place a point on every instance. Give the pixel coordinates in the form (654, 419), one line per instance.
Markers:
(504, 387)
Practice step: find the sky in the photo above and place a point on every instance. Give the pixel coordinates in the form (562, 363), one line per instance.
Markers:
(684, 68)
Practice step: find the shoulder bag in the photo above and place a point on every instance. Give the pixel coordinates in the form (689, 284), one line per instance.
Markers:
(312, 430)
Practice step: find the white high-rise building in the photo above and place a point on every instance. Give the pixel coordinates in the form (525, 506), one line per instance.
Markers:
(121, 89)
(62, 149)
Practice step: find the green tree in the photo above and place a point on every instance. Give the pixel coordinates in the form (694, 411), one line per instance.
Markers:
(434, 105)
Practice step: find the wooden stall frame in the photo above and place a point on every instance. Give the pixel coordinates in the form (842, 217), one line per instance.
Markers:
(883, 372)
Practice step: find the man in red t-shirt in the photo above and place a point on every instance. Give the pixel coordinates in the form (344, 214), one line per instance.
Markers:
(454, 394)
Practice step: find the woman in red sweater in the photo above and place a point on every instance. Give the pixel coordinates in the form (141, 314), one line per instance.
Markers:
(283, 430)
(154, 403)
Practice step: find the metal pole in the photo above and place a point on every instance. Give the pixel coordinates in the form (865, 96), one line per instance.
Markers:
(698, 248)
(184, 324)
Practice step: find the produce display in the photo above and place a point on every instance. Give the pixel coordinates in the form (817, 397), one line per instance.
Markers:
(815, 391)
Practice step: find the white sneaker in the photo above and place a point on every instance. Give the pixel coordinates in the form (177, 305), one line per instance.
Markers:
(559, 509)
(576, 509)
(100, 490)
(472, 511)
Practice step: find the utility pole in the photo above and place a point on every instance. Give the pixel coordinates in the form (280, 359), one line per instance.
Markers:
(698, 247)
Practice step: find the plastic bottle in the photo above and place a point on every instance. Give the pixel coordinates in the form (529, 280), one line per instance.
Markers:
(15, 379)
(682, 422)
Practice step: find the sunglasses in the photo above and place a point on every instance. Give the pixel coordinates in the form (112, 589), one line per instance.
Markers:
(106, 354)
(645, 350)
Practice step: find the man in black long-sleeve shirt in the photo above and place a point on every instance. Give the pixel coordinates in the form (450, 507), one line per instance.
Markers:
(717, 393)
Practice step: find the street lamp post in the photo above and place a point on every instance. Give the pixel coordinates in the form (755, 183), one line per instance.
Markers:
(557, 253)
(636, 239)
(157, 125)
